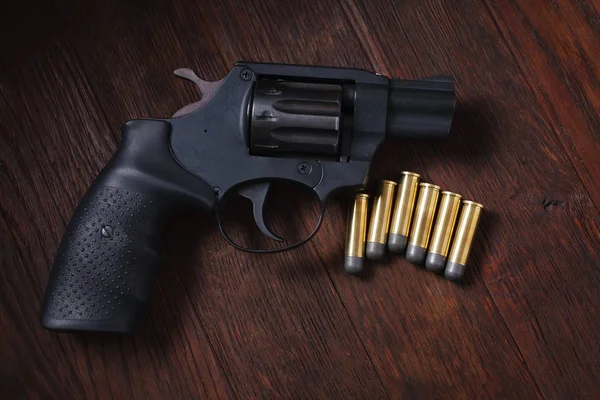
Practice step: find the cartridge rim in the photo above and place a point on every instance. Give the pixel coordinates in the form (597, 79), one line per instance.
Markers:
(472, 203)
(448, 193)
(388, 182)
(430, 185)
(410, 173)
(361, 196)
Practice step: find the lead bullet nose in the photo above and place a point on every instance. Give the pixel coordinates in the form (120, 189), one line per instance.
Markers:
(353, 265)
(375, 251)
(435, 262)
(415, 254)
(397, 243)
(454, 271)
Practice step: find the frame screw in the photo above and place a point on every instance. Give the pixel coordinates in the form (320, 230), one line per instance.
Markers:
(107, 231)
(246, 74)
(304, 168)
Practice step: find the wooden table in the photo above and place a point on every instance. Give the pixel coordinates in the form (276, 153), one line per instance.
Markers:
(225, 324)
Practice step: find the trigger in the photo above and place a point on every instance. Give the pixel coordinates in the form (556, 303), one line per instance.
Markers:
(257, 194)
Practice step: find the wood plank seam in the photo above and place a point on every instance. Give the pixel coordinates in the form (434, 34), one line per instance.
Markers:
(379, 64)
(516, 344)
(323, 264)
(371, 47)
(373, 320)
(556, 129)
(217, 355)
(115, 133)
(70, 49)
(353, 14)
(376, 57)
(362, 343)
(205, 334)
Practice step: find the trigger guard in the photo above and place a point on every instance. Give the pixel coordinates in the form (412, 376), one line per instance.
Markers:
(276, 250)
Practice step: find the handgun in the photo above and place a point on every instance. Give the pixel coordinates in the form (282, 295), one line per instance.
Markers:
(317, 127)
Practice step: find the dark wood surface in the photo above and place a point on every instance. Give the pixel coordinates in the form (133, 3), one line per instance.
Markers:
(226, 324)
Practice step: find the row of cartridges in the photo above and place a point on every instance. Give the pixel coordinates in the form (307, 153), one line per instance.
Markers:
(422, 223)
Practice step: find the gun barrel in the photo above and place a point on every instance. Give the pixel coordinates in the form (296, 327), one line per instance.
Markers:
(421, 109)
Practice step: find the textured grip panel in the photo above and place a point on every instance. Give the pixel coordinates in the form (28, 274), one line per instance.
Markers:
(107, 260)
(103, 272)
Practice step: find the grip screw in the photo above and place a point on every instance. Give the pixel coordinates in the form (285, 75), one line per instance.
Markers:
(304, 168)
(246, 74)
(107, 231)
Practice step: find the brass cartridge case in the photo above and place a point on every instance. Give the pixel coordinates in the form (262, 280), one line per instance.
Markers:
(403, 211)
(380, 220)
(442, 231)
(422, 223)
(463, 240)
(356, 235)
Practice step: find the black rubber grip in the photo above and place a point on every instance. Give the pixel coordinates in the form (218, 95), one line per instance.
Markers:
(104, 270)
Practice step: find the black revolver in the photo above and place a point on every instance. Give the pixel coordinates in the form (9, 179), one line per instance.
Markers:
(316, 126)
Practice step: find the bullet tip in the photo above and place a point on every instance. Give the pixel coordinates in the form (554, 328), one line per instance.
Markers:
(415, 254)
(397, 243)
(353, 265)
(454, 271)
(375, 251)
(435, 262)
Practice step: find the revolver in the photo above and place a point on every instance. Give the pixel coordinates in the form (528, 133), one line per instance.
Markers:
(314, 126)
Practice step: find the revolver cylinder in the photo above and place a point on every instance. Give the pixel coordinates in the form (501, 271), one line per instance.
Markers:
(296, 117)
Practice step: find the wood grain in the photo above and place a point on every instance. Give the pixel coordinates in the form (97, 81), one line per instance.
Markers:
(556, 47)
(226, 324)
(274, 331)
(557, 58)
(534, 248)
(55, 141)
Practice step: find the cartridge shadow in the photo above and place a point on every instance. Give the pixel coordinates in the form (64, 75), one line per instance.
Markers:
(469, 140)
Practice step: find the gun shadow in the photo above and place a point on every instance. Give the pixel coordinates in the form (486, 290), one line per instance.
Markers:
(181, 276)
